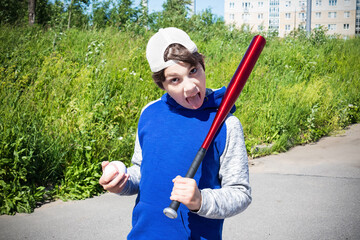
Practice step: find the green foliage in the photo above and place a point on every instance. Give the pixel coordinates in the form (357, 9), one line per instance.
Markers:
(75, 13)
(65, 14)
(174, 14)
(16, 12)
(71, 99)
(67, 103)
(306, 93)
(13, 11)
(101, 14)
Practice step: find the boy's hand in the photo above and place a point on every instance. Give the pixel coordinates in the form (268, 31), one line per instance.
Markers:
(186, 191)
(111, 184)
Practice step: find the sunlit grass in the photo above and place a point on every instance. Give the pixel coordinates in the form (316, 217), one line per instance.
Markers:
(72, 99)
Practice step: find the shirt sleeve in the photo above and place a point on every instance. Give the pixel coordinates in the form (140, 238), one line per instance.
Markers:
(234, 196)
(132, 186)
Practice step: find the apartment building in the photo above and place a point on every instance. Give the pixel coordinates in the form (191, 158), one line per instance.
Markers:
(283, 16)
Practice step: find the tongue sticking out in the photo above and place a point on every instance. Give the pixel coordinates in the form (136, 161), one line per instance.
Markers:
(195, 101)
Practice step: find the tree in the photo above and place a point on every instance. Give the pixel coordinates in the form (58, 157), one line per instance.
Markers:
(13, 11)
(207, 24)
(175, 14)
(122, 13)
(44, 12)
(142, 22)
(32, 6)
(56, 15)
(125, 11)
(28, 11)
(101, 14)
(76, 9)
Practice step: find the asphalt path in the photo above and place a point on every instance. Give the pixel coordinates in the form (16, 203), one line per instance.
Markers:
(310, 192)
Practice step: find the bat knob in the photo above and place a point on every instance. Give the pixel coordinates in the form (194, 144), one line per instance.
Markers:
(170, 213)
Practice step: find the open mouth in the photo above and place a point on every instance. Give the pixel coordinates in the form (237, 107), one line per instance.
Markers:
(194, 101)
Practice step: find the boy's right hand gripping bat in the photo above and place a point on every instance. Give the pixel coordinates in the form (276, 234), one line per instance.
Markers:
(231, 94)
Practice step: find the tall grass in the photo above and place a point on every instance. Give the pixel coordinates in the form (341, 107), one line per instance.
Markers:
(70, 100)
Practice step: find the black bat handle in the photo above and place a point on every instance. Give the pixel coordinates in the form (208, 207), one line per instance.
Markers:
(171, 211)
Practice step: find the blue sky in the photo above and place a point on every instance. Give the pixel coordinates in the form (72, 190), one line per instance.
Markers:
(216, 6)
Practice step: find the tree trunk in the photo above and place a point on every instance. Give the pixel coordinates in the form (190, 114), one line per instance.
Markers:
(70, 8)
(32, 5)
(69, 19)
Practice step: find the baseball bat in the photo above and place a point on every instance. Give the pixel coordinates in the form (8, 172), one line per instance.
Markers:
(232, 93)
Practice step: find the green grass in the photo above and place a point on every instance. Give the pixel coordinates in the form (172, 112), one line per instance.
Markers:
(70, 100)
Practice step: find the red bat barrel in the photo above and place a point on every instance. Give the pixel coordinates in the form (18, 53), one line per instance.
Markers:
(232, 93)
(236, 85)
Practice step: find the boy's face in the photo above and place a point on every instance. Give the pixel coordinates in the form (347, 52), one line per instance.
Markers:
(186, 84)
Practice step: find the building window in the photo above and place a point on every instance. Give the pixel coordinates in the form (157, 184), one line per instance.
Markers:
(302, 3)
(231, 16)
(332, 14)
(260, 4)
(317, 26)
(346, 14)
(287, 15)
(288, 4)
(245, 17)
(332, 26)
(274, 12)
(318, 3)
(260, 16)
(246, 5)
(274, 24)
(332, 2)
(232, 4)
(274, 3)
(318, 14)
(287, 27)
(347, 2)
(302, 16)
(346, 26)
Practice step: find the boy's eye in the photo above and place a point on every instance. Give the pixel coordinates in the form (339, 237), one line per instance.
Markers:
(193, 70)
(174, 80)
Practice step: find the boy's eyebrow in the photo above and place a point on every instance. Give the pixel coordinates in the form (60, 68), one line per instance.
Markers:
(171, 74)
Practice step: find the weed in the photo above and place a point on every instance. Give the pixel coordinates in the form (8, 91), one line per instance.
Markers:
(71, 99)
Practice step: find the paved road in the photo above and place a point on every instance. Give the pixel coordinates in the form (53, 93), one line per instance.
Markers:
(310, 192)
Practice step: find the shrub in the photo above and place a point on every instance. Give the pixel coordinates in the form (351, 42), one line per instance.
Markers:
(71, 99)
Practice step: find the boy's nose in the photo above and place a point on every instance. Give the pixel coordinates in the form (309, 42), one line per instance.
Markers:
(189, 87)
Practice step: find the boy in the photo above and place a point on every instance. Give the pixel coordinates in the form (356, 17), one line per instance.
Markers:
(170, 132)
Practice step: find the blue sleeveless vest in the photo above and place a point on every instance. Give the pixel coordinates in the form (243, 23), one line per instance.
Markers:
(170, 137)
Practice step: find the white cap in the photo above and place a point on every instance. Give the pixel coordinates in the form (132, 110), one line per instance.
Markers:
(160, 41)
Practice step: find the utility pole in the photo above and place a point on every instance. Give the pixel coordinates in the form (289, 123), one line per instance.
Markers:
(308, 17)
